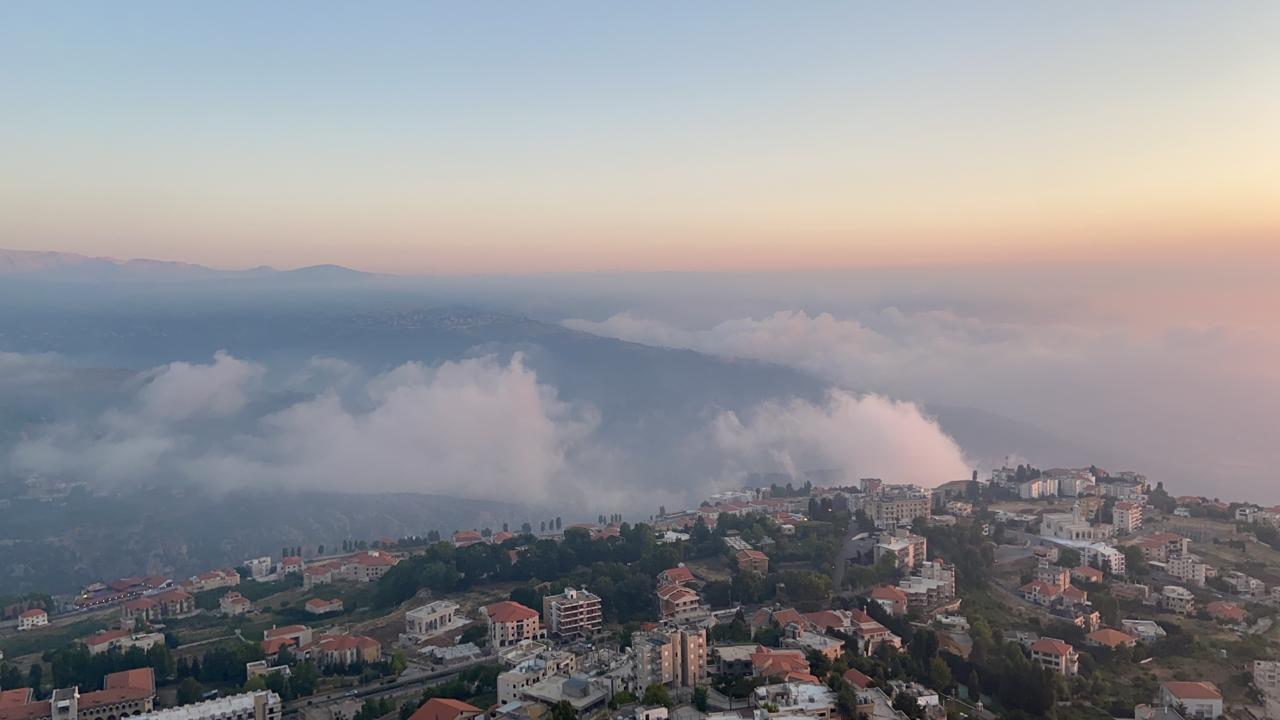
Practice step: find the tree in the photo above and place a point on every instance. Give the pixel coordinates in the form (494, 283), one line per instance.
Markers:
(35, 677)
(700, 699)
(398, 663)
(563, 711)
(1069, 558)
(939, 674)
(189, 690)
(657, 694)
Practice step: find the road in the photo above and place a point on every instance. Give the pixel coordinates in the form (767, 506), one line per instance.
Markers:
(411, 680)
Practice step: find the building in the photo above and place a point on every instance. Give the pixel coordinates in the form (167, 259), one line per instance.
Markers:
(233, 603)
(1126, 516)
(1087, 574)
(127, 693)
(320, 606)
(1245, 585)
(316, 575)
(258, 705)
(1055, 655)
(511, 623)
(803, 699)
(1188, 568)
(1105, 557)
(908, 550)
(1177, 599)
(285, 636)
(679, 575)
(1197, 699)
(1040, 592)
(367, 566)
(895, 505)
(1161, 546)
(824, 645)
(1054, 575)
(572, 612)
(892, 599)
(212, 580)
(122, 640)
(584, 694)
(1110, 638)
(445, 709)
(868, 634)
(754, 561)
(1146, 631)
(533, 670)
(1225, 611)
(32, 619)
(341, 650)
(1266, 675)
(258, 568)
(430, 620)
(785, 665)
(291, 564)
(679, 603)
(671, 656)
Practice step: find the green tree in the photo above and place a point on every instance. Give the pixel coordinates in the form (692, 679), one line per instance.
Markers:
(700, 699)
(189, 690)
(563, 711)
(657, 694)
(1069, 558)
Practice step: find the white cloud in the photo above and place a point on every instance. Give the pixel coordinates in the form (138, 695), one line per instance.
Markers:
(868, 436)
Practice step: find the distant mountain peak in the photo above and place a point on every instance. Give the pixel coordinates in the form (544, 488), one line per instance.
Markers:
(53, 265)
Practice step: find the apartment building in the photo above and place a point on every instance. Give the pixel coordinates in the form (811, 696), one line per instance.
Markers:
(124, 694)
(1126, 516)
(896, 505)
(572, 612)
(1266, 675)
(907, 549)
(1055, 655)
(511, 623)
(233, 604)
(753, 560)
(1178, 599)
(678, 603)
(1188, 568)
(671, 656)
(533, 670)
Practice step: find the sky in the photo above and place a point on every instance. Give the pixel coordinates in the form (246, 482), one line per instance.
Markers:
(495, 138)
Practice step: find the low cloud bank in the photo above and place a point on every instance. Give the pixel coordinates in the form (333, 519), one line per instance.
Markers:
(480, 428)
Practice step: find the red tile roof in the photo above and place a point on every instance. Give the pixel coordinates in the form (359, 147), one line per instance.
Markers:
(509, 611)
(284, 630)
(33, 613)
(888, 592)
(105, 636)
(15, 697)
(1224, 610)
(444, 709)
(136, 679)
(1198, 690)
(857, 679)
(677, 575)
(751, 555)
(1050, 646)
(676, 593)
(1110, 638)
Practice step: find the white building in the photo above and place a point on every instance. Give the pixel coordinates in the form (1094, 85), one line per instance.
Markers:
(32, 619)
(572, 612)
(1188, 568)
(258, 567)
(430, 620)
(260, 705)
(1197, 699)
(1245, 585)
(1178, 599)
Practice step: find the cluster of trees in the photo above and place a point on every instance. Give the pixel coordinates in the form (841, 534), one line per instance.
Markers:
(224, 664)
(477, 684)
(73, 665)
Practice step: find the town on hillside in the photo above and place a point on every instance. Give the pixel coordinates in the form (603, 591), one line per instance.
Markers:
(1060, 593)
